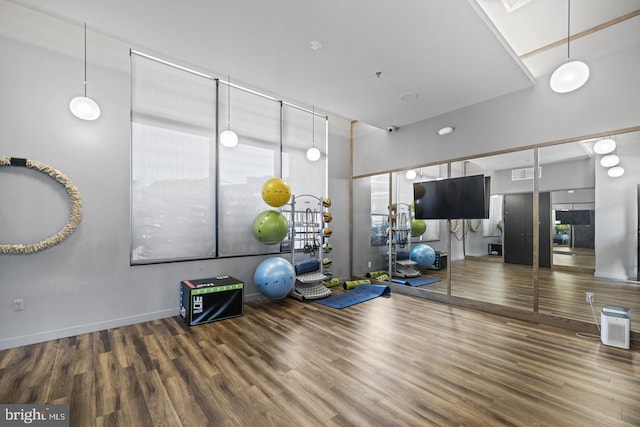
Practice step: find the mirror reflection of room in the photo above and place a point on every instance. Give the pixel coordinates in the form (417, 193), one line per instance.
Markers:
(490, 259)
(573, 218)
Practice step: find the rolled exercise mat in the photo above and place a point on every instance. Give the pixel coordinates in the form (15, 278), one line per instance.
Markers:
(331, 283)
(307, 266)
(382, 277)
(375, 274)
(350, 284)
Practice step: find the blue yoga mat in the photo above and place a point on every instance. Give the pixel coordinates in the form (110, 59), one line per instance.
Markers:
(416, 281)
(360, 293)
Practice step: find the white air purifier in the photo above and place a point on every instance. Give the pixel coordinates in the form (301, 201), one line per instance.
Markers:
(616, 326)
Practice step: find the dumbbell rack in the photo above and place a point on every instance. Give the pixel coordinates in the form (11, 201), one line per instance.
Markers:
(303, 235)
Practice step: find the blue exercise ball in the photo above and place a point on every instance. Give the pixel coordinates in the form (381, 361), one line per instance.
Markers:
(275, 277)
(423, 255)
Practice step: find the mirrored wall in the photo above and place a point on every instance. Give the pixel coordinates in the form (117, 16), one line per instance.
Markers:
(550, 237)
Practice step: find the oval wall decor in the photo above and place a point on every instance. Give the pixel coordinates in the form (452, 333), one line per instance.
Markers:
(74, 198)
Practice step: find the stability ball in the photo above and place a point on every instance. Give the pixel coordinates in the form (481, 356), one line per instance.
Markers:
(423, 255)
(418, 227)
(275, 277)
(270, 227)
(276, 192)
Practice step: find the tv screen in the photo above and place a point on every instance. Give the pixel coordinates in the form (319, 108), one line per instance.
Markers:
(464, 197)
(577, 217)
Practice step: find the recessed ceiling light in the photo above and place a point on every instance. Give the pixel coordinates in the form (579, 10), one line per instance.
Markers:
(445, 130)
(315, 44)
(409, 96)
(571, 191)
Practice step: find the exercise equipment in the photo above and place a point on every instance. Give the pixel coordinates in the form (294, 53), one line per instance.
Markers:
(275, 277)
(74, 199)
(350, 284)
(423, 255)
(418, 227)
(308, 236)
(361, 293)
(307, 266)
(331, 283)
(270, 227)
(416, 281)
(276, 192)
(376, 274)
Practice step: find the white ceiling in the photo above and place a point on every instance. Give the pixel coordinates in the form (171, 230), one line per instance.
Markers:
(448, 52)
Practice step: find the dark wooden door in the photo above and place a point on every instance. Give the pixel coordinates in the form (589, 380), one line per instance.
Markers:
(517, 225)
(518, 229)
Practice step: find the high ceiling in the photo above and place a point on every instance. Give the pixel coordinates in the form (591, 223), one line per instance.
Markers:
(381, 63)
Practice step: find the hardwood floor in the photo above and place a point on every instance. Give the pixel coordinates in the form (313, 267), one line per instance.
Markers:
(398, 360)
(562, 291)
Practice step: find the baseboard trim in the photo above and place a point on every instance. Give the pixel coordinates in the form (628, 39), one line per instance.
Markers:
(84, 329)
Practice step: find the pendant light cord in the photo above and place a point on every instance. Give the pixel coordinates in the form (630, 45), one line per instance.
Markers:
(228, 102)
(568, 28)
(313, 126)
(85, 59)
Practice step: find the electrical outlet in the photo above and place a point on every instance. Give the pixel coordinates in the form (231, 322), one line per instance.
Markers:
(369, 264)
(18, 304)
(590, 297)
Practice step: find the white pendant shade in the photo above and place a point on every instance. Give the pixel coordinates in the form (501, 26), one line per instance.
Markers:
(313, 154)
(84, 108)
(229, 138)
(609, 160)
(604, 146)
(615, 172)
(569, 77)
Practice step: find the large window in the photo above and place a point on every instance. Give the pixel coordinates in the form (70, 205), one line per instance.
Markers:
(192, 198)
(172, 163)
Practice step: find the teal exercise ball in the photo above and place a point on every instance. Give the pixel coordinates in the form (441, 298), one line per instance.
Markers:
(423, 255)
(275, 277)
(270, 227)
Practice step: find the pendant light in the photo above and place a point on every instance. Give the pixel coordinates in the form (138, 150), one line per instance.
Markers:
(609, 160)
(84, 107)
(571, 75)
(313, 154)
(229, 138)
(604, 146)
(615, 172)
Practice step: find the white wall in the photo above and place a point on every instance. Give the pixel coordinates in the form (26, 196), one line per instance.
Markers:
(617, 217)
(610, 100)
(86, 283)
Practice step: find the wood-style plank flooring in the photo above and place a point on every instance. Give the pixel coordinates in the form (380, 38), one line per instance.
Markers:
(561, 291)
(391, 361)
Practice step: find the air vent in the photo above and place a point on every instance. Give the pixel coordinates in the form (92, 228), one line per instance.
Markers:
(524, 173)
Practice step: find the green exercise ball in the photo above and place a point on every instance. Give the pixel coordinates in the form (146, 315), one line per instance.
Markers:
(270, 227)
(418, 227)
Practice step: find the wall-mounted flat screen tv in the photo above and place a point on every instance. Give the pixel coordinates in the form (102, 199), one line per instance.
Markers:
(575, 217)
(464, 197)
